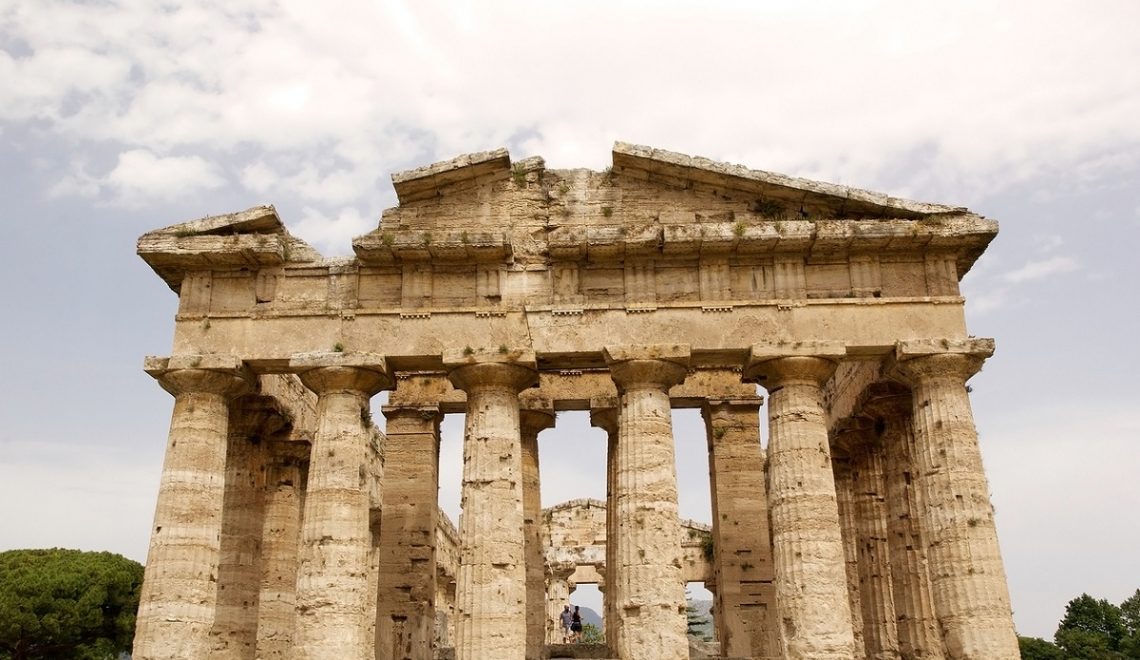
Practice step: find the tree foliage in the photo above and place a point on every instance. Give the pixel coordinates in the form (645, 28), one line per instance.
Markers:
(592, 634)
(57, 604)
(1035, 648)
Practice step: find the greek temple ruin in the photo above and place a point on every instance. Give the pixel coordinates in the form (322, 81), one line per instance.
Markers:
(288, 525)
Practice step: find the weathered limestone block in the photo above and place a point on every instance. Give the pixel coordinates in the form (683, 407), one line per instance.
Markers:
(253, 421)
(491, 586)
(179, 592)
(405, 601)
(845, 499)
(333, 591)
(910, 575)
(535, 416)
(880, 635)
(967, 577)
(811, 582)
(286, 474)
(651, 600)
(746, 595)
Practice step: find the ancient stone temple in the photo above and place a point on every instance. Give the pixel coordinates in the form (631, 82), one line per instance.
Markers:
(289, 526)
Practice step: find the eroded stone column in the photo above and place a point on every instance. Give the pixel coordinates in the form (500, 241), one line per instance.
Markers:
(286, 473)
(405, 601)
(535, 416)
(650, 584)
(179, 591)
(253, 421)
(811, 580)
(845, 499)
(746, 593)
(491, 586)
(333, 592)
(604, 415)
(910, 577)
(558, 590)
(880, 635)
(971, 598)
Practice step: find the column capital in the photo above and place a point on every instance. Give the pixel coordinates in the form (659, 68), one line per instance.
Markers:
(604, 413)
(223, 375)
(470, 368)
(327, 373)
(536, 414)
(776, 372)
(259, 415)
(658, 366)
(921, 359)
(421, 411)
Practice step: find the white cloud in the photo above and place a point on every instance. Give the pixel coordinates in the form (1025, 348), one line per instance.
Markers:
(1036, 270)
(986, 94)
(140, 177)
(332, 234)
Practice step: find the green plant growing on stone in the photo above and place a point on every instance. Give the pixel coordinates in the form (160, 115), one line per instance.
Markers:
(503, 348)
(518, 175)
(338, 347)
(468, 351)
(738, 229)
(707, 547)
(563, 188)
(607, 211)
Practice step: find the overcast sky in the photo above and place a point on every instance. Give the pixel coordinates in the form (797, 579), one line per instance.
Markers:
(121, 116)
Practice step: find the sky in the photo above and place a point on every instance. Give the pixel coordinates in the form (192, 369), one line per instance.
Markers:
(122, 116)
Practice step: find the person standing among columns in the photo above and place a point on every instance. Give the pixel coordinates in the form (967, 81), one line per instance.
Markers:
(650, 585)
(971, 598)
(336, 540)
(180, 588)
(811, 579)
(491, 589)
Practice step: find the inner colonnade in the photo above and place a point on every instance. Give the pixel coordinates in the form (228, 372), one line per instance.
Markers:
(288, 526)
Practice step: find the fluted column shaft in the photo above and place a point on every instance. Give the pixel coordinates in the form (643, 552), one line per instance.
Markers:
(650, 585)
(405, 600)
(179, 591)
(967, 577)
(531, 422)
(811, 581)
(558, 588)
(604, 415)
(286, 473)
(914, 608)
(845, 499)
(880, 635)
(253, 419)
(745, 595)
(336, 541)
(491, 585)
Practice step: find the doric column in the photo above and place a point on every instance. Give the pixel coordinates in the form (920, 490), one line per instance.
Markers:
(179, 591)
(742, 563)
(336, 540)
(286, 473)
(604, 415)
(650, 585)
(811, 580)
(535, 416)
(405, 599)
(491, 586)
(880, 635)
(845, 499)
(971, 598)
(253, 420)
(914, 607)
(558, 588)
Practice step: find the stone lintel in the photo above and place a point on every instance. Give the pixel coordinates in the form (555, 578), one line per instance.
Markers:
(675, 353)
(433, 180)
(352, 359)
(462, 357)
(157, 365)
(975, 346)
